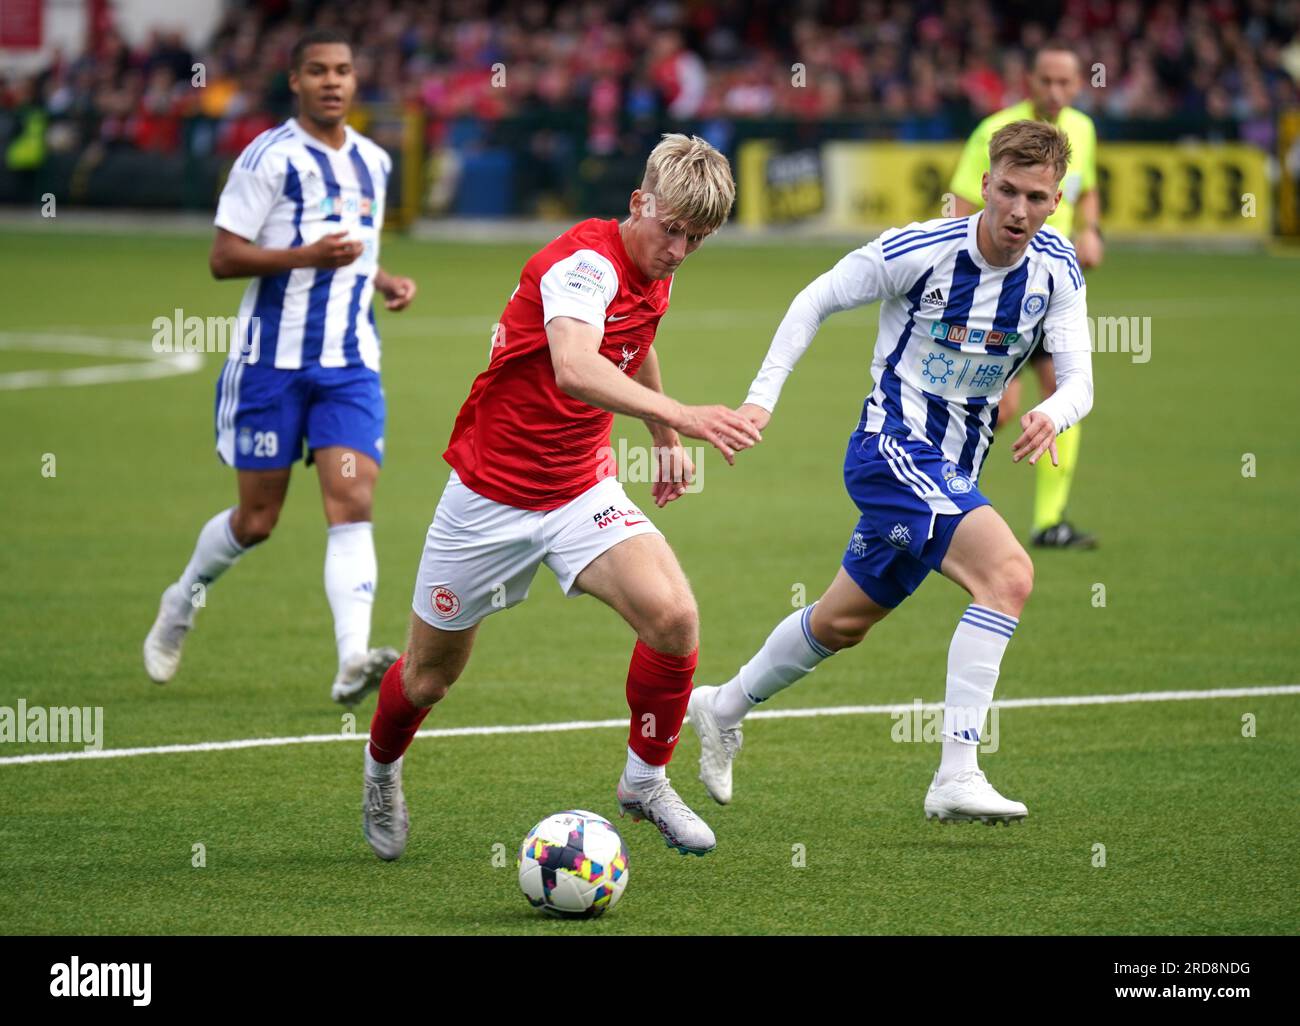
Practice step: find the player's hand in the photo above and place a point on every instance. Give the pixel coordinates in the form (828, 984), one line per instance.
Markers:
(756, 415)
(674, 471)
(1088, 248)
(720, 426)
(397, 291)
(1039, 436)
(332, 251)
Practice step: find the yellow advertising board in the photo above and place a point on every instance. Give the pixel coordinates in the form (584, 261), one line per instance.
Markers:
(1147, 189)
(1151, 189)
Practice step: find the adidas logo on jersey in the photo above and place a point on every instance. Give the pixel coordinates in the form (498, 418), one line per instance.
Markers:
(933, 298)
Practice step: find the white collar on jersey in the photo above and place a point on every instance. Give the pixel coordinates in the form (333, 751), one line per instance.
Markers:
(349, 138)
(973, 248)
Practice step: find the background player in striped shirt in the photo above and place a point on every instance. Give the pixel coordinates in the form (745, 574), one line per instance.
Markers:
(533, 482)
(964, 302)
(1054, 82)
(301, 215)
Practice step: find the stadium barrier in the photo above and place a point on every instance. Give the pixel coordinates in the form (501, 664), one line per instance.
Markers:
(835, 174)
(1147, 189)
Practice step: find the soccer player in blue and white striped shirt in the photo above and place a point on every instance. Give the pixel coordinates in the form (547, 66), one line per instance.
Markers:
(300, 216)
(964, 301)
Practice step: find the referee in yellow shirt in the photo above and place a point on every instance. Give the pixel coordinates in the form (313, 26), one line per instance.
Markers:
(1053, 83)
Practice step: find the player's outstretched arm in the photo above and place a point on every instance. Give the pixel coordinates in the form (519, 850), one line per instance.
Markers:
(580, 371)
(396, 290)
(1066, 337)
(1064, 408)
(674, 469)
(233, 256)
(755, 414)
(858, 279)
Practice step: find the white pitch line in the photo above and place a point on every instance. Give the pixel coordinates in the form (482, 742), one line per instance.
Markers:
(145, 362)
(1036, 703)
(571, 725)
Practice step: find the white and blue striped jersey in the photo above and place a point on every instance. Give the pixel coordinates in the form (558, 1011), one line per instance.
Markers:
(289, 189)
(954, 329)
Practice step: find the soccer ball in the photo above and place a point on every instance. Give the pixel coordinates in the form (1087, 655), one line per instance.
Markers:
(573, 865)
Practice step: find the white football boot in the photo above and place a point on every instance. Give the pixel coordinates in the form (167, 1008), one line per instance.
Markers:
(661, 805)
(718, 747)
(362, 674)
(383, 811)
(162, 645)
(968, 797)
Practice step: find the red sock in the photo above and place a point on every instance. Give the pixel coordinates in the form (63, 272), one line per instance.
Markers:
(658, 688)
(396, 719)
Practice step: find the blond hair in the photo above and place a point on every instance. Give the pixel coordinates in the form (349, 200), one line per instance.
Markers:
(689, 183)
(1029, 143)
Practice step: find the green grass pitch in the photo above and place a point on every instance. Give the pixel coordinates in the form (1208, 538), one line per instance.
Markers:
(1199, 564)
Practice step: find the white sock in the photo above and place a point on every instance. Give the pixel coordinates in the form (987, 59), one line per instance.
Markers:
(789, 654)
(974, 659)
(375, 768)
(639, 772)
(215, 552)
(350, 576)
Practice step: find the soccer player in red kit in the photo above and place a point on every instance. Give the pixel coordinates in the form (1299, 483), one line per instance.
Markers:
(532, 482)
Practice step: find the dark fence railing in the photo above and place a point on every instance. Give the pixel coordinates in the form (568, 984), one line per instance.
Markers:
(542, 163)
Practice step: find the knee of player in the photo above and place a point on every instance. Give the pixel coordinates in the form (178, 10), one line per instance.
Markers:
(352, 510)
(426, 684)
(1015, 580)
(253, 526)
(843, 631)
(675, 626)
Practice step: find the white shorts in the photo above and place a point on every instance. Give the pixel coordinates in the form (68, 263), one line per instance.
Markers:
(480, 556)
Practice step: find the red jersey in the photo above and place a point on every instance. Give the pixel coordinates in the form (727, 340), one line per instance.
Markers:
(518, 439)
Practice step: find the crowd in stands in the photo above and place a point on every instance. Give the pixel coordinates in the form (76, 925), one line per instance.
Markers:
(928, 69)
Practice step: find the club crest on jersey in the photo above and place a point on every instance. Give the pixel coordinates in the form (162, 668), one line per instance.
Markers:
(629, 354)
(444, 602)
(1035, 303)
(245, 441)
(954, 480)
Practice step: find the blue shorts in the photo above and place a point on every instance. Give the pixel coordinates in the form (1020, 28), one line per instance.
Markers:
(265, 415)
(911, 499)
